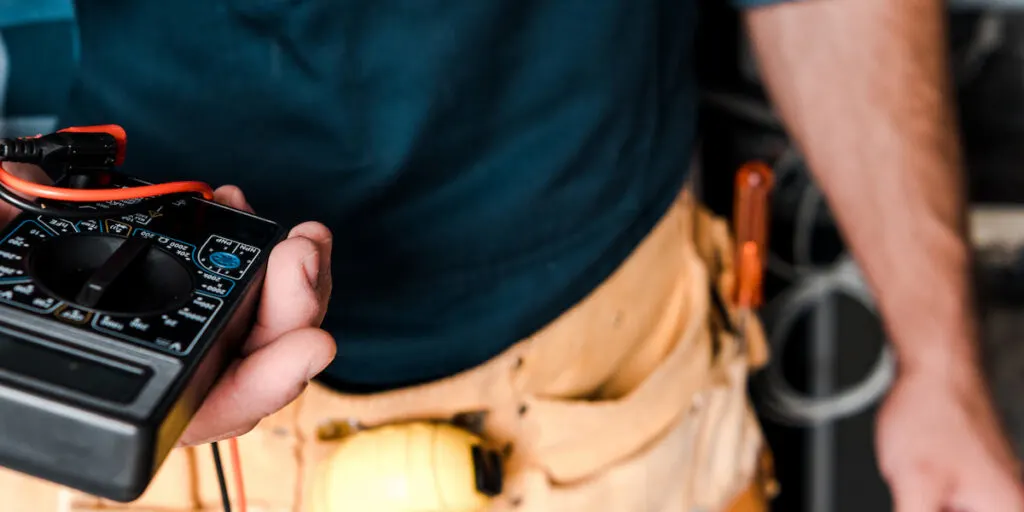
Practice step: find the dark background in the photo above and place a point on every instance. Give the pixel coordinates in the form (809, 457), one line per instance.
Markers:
(826, 463)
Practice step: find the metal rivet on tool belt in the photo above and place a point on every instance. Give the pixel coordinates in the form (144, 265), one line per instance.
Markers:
(698, 403)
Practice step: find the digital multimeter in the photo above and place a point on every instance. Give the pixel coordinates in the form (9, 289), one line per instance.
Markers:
(113, 329)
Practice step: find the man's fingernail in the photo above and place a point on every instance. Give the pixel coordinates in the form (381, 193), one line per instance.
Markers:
(311, 264)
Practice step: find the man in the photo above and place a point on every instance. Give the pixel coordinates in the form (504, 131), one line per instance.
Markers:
(502, 178)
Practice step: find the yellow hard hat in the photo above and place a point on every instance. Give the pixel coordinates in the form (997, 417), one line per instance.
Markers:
(410, 467)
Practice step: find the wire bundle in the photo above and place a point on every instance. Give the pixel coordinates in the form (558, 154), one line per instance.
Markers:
(80, 152)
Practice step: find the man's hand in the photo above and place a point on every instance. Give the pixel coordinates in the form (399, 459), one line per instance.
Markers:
(286, 347)
(941, 448)
(865, 91)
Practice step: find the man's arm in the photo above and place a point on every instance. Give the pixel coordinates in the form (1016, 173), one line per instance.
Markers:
(862, 86)
(864, 90)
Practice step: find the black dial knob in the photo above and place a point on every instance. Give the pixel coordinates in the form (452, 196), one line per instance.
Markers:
(111, 274)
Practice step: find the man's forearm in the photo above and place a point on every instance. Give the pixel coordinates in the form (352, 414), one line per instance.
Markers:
(863, 88)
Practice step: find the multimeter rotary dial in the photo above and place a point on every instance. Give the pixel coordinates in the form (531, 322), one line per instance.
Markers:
(139, 278)
(111, 274)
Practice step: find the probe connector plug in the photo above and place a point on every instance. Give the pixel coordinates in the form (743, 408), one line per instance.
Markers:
(77, 150)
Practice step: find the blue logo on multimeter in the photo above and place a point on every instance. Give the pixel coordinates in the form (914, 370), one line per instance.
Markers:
(225, 260)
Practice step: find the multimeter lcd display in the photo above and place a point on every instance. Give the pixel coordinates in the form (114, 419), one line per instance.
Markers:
(38, 364)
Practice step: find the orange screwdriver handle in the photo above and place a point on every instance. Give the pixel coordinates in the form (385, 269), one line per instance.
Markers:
(754, 183)
(749, 293)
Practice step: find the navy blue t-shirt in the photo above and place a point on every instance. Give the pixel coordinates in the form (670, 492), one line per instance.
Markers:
(483, 164)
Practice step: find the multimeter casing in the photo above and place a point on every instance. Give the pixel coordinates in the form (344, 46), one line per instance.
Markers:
(94, 399)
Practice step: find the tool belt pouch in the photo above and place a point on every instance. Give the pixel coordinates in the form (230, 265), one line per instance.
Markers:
(731, 451)
(680, 435)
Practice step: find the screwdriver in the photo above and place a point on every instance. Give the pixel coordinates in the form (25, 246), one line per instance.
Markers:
(754, 182)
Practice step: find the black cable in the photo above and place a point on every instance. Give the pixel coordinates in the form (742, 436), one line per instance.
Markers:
(220, 477)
